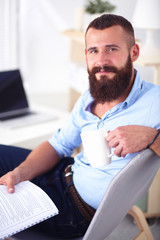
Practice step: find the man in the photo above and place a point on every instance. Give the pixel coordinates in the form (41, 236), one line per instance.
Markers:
(118, 101)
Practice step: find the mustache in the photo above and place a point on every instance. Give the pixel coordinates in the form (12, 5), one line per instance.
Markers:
(103, 68)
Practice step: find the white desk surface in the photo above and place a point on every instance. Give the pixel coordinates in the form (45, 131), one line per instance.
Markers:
(32, 135)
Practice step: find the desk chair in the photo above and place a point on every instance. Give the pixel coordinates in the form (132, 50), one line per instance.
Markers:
(127, 187)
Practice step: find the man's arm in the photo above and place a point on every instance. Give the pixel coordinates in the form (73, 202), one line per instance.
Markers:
(39, 161)
(132, 138)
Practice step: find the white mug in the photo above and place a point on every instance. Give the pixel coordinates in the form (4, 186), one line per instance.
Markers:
(96, 147)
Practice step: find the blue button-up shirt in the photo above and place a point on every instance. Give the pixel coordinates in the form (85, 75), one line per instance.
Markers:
(141, 107)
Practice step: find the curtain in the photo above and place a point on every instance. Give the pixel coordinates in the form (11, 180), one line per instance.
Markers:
(9, 46)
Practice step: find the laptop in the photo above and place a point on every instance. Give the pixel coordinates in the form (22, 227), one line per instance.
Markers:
(15, 111)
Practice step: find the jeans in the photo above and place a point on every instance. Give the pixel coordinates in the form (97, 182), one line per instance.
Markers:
(69, 223)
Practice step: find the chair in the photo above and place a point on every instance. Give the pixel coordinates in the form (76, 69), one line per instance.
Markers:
(127, 187)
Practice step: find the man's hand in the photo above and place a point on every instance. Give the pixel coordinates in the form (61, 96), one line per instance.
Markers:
(130, 139)
(10, 179)
(40, 160)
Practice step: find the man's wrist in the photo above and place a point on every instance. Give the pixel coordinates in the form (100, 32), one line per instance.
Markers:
(155, 146)
(19, 174)
(154, 139)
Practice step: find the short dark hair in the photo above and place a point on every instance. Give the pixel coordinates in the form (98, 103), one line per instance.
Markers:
(109, 20)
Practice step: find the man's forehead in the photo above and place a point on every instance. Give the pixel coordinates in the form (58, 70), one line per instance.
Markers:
(116, 28)
(108, 36)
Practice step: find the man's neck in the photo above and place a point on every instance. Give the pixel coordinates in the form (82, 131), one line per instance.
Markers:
(99, 109)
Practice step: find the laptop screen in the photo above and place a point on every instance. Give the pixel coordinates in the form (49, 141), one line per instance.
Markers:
(13, 99)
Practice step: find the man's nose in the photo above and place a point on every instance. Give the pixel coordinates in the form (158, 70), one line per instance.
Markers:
(102, 59)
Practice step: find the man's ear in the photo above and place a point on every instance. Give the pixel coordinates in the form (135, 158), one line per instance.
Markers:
(134, 52)
(86, 54)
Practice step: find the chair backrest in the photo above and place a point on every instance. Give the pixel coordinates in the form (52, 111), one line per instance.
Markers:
(127, 187)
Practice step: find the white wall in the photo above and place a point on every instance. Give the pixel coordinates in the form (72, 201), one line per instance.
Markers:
(44, 51)
(126, 9)
(8, 34)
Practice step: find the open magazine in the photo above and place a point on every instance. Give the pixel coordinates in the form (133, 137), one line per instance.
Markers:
(26, 207)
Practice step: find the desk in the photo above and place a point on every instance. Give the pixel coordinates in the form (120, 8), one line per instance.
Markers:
(32, 135)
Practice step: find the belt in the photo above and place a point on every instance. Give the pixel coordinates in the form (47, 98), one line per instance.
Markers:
(86, 210)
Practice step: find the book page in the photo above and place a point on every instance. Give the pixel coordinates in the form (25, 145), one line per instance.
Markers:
(26, 207)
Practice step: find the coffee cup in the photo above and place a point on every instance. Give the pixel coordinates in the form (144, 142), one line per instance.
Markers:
(96, 147)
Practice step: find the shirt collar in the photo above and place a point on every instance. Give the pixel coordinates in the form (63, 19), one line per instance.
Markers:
(135, 91)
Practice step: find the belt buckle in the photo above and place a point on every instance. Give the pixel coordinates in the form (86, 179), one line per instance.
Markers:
(69, 173)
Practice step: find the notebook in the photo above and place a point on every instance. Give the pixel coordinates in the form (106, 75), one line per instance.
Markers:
(15, 111)
(29, 205)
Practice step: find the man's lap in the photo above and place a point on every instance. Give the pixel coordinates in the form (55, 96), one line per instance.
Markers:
(69, 222)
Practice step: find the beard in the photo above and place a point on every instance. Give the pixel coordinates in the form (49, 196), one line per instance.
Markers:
(109, 89)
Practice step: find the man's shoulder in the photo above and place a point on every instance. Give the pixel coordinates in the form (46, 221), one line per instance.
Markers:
(155, 89)
(151, 96)
(149, 88)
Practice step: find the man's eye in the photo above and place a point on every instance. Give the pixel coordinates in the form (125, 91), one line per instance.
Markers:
(112, 49)
(93, 51)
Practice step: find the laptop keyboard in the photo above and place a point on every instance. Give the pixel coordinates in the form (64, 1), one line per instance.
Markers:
(28, 119)
(16, 116)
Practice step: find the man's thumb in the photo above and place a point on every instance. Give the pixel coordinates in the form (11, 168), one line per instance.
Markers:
(10, 188)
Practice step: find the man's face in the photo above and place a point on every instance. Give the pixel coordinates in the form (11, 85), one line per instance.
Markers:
(107, 89)
(109, 63)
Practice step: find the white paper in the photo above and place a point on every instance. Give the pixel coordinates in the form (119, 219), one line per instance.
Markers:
(26, 207)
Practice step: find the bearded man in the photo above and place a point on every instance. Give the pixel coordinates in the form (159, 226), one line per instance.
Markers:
(117, 101)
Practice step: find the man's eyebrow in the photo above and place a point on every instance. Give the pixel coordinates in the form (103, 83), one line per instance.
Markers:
(112, 45)
(107, 46)
(91, 48)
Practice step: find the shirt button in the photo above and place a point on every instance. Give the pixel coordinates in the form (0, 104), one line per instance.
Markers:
(100, 125)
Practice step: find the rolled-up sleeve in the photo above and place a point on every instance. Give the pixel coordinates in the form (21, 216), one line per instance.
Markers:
(66, 139)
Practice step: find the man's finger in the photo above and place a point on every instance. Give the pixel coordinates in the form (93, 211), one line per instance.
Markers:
(10, 189)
